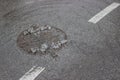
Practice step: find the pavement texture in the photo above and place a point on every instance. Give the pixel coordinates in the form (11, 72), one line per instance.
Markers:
(92, 51)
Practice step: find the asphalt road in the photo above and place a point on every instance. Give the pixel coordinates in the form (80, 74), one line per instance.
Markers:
(92, 51)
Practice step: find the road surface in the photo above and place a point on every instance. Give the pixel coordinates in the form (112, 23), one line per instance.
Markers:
(93, 48)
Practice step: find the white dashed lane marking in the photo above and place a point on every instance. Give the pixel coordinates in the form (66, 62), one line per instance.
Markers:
(104, 12)
(32, 73)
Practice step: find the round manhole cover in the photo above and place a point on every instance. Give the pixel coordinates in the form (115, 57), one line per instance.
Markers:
(41, 39)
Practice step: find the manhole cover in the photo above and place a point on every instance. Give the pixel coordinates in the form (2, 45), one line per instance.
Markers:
(41, 39)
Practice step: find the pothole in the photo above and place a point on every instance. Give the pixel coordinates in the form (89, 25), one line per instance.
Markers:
(42, 40)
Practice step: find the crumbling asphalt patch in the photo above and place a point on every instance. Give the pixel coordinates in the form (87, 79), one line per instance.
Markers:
(42, 40)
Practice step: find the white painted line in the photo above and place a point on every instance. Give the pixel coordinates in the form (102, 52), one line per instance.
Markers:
(32, 73)
(104, 12)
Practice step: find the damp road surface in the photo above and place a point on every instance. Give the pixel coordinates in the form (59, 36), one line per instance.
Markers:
(92, 51)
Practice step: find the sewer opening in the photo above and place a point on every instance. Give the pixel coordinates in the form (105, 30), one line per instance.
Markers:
(42, 40)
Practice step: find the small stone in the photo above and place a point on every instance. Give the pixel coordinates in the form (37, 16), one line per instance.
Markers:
(54, 46)
(31, 30)
(48, 27)
(38, 32)
(59, 43)
(33, 25)
(25, 32)
(43, 47)
(34, 50)
(35, 34)
(42, 28)
(63, 41)
(39, 28)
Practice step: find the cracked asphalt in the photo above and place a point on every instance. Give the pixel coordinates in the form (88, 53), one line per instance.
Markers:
(92, 51)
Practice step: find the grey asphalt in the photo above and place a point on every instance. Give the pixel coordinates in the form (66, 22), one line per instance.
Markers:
(92, 51)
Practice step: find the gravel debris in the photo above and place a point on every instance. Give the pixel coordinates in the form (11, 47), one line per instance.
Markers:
(34, 50)
(44, 47)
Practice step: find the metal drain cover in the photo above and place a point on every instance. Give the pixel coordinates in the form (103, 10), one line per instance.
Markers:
(41, 39)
